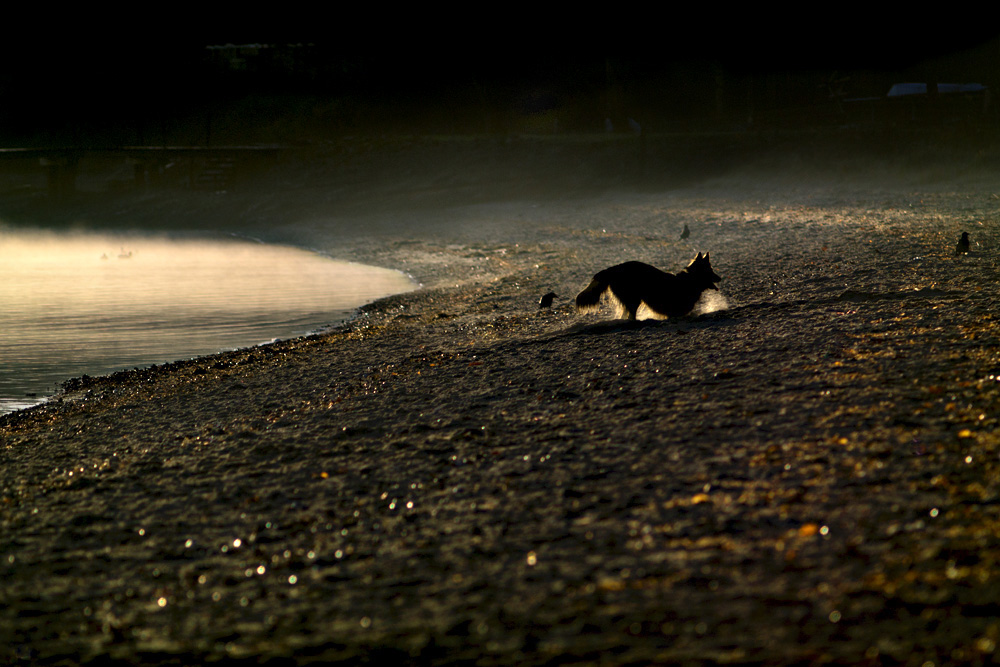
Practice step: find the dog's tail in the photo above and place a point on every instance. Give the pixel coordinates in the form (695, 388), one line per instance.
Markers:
(589, 300)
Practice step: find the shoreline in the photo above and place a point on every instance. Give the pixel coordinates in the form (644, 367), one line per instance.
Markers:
(122, 306)
(457, 476)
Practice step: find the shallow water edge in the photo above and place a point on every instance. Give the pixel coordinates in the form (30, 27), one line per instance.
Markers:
(76, 304)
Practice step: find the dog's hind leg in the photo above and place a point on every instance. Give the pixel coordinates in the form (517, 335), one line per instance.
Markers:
(626, 308)
(590, 298)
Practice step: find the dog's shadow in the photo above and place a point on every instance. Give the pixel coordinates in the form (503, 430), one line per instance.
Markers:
(679, 324)
(733, 315)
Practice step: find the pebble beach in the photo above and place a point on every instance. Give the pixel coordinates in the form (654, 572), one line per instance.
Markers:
(802, 471)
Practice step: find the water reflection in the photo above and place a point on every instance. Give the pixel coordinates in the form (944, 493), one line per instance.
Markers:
(74, 304)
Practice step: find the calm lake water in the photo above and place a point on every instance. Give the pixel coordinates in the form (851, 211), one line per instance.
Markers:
(87, 304)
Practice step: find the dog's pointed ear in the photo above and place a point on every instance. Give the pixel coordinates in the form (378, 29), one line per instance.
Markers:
(698, 257)
(706, 255)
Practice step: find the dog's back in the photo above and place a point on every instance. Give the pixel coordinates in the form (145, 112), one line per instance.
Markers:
(635, 283)
(627, 283)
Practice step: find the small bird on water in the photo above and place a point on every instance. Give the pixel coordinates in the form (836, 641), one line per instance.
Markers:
(963, 244)
(546, 300)
(686, 233)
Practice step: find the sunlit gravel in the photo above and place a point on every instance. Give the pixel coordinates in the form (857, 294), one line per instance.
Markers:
(806, 475)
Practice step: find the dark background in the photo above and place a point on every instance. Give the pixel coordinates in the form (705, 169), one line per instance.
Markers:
(709, 71)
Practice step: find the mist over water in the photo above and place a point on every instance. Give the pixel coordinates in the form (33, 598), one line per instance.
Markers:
(75, 304)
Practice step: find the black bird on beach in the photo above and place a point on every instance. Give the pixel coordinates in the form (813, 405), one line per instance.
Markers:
(546, 300)
(686, 233)
(963, 244)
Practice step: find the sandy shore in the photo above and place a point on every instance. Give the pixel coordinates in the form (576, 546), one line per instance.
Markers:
(807, 475)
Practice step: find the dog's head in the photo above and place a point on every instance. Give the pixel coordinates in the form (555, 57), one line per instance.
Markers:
(701, 268)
